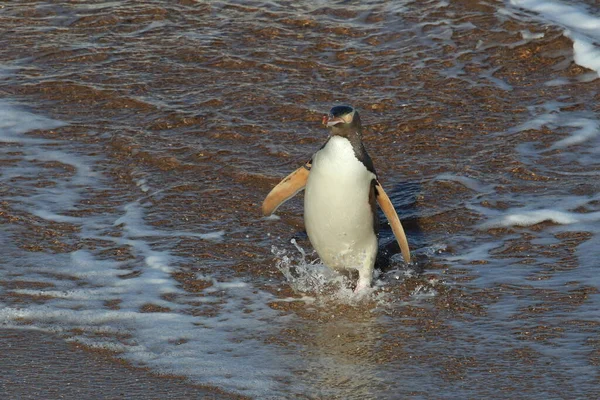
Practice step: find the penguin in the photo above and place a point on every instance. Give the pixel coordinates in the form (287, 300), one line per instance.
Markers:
(341, 191)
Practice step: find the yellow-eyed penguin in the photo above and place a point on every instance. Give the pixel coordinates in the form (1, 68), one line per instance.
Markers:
(339, 202)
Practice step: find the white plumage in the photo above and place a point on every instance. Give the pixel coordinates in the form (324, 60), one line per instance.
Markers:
(337, 213)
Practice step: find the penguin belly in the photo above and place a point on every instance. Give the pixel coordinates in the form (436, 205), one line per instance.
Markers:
(337, 214)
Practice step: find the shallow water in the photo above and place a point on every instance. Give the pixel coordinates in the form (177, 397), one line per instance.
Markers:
(138, 141)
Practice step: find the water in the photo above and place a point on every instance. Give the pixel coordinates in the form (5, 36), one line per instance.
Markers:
(138, 141)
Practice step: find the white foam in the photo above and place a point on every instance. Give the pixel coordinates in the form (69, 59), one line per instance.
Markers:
(151, 26)
(533, 217)
(568, 155)
(272, 217)
(557, 82)
(489, 75)
(582, 127)
(568, 15)
(526, 34)
(8, 70)
(588, 129)
(536, 123)
(223, 348)
(581, 27)
(423, 292)
(143, 184)
(132, 222)
(469, 183)
(15, 121)
(586, 52)
(533, 208)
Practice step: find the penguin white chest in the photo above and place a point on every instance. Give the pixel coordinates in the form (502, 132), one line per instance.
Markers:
(338, 216)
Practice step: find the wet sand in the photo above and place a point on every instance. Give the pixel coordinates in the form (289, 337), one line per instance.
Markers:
(38, 365)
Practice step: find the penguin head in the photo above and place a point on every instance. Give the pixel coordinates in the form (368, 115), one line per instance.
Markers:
(342, 118)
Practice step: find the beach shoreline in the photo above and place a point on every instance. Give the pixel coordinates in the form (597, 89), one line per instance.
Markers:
(40, 365)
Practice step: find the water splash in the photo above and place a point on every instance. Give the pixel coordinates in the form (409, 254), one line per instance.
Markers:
(305, 276)
(320, 285)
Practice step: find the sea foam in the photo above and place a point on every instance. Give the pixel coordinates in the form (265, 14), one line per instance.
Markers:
(131, 306)
(581, 27)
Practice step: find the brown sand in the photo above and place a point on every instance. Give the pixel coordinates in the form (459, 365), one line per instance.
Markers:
(39, 365)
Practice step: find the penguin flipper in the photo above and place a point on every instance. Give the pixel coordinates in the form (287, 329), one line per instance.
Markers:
(286, 189)
(390, 213)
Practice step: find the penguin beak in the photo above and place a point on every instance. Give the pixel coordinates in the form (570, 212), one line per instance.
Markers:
(330, 120)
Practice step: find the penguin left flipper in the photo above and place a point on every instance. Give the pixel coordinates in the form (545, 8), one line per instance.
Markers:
(390, 213)
(286, 189)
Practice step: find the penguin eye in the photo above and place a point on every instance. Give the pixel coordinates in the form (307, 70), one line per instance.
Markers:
(348, 117)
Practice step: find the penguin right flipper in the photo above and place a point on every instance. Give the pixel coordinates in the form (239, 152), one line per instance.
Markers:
(390, 213)
(286, 189)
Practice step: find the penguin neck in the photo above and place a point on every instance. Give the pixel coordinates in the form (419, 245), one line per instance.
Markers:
(354, 136)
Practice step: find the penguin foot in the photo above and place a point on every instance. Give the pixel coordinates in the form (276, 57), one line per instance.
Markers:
(360, 286)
